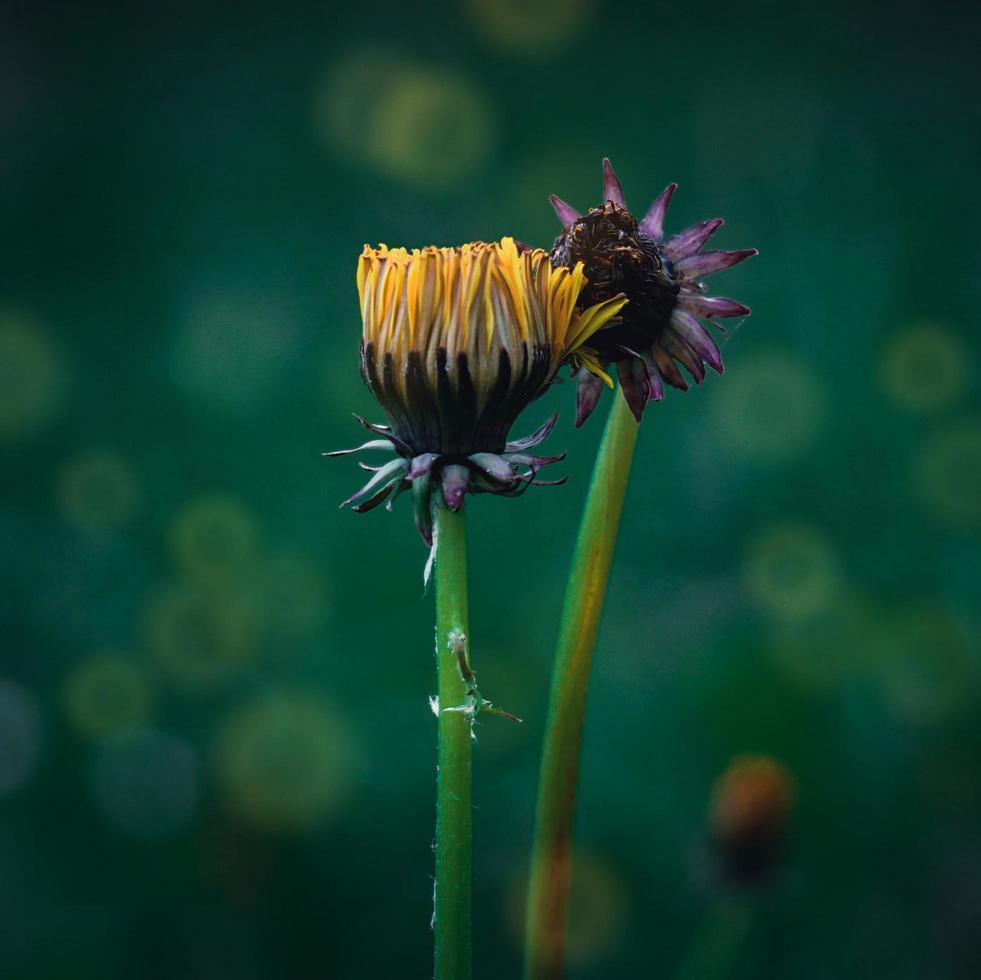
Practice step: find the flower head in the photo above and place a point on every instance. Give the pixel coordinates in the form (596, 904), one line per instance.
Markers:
(661, 326)
(752, 802)
(456, 343)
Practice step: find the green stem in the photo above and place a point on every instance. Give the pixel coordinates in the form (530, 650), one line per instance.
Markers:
(551, 867)
(451, 919)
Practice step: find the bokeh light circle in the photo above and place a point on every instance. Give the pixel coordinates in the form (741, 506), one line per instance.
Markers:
(283, 761)
(20, 736)
(531, 27)
(432, 128)
(214, 540)
(145, 783)
(408, 121)
(925, 368)
(106, 694)
(770, 408)
(98, 491)
(598, 909)
(199, 637)
(32, 376)
(791, 571)
(947, 473)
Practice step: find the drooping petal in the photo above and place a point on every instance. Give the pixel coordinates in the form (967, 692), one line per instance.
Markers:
(654, 379)
(422, 509)
(388, 474)
(690, 240)
(635, 384)
(697, 338)
(377, 500)
(385, 445)
(535, 462)
(705, 263)
(653, 223)
(680, 351)
(566, 213)
(667, 367)
(612, 191)
(588, 391)
(711, 306)
(386, 432)
(538, 436)
(494, 466)
(456, 479)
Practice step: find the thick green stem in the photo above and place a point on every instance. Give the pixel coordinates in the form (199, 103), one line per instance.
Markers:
(451, 919)
(551, 867)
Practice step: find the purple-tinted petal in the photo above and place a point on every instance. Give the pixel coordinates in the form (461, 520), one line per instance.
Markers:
(422, 509)
(654, 380)
(388, 474)
(612, 191)
(667, 367)
(690, 240)
(697, 338)
(381, 444)
(635, 384)
(588, 392)
(535, 462)
(456, 479)
(566, 213)
(705, 263)
(711, 306)
(421, 464)
(494, 466)
(653, 223)
(680, 351)
(538, 436)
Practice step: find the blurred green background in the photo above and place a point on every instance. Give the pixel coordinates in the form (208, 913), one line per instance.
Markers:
(216, 752)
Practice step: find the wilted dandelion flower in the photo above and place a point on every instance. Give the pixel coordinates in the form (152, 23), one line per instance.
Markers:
(456, 343)
(661, 326)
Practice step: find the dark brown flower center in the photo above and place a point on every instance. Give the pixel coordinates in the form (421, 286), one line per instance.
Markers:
(619, 258)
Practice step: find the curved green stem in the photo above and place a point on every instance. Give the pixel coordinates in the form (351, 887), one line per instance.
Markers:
(451, 914)
(551, 867)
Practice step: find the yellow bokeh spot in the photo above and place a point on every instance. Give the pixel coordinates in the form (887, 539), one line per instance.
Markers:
(199, 637)
(106, 694)
(283, 761)
(597, 910)
(770, 408)
(214, 540)
(32, 376)
(98, 490)
(947, 473)
(925, 369)
(531, 27)
(408, 121)
(791, 571)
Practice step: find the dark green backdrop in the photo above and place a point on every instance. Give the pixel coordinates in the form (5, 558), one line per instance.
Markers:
(216, 753)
